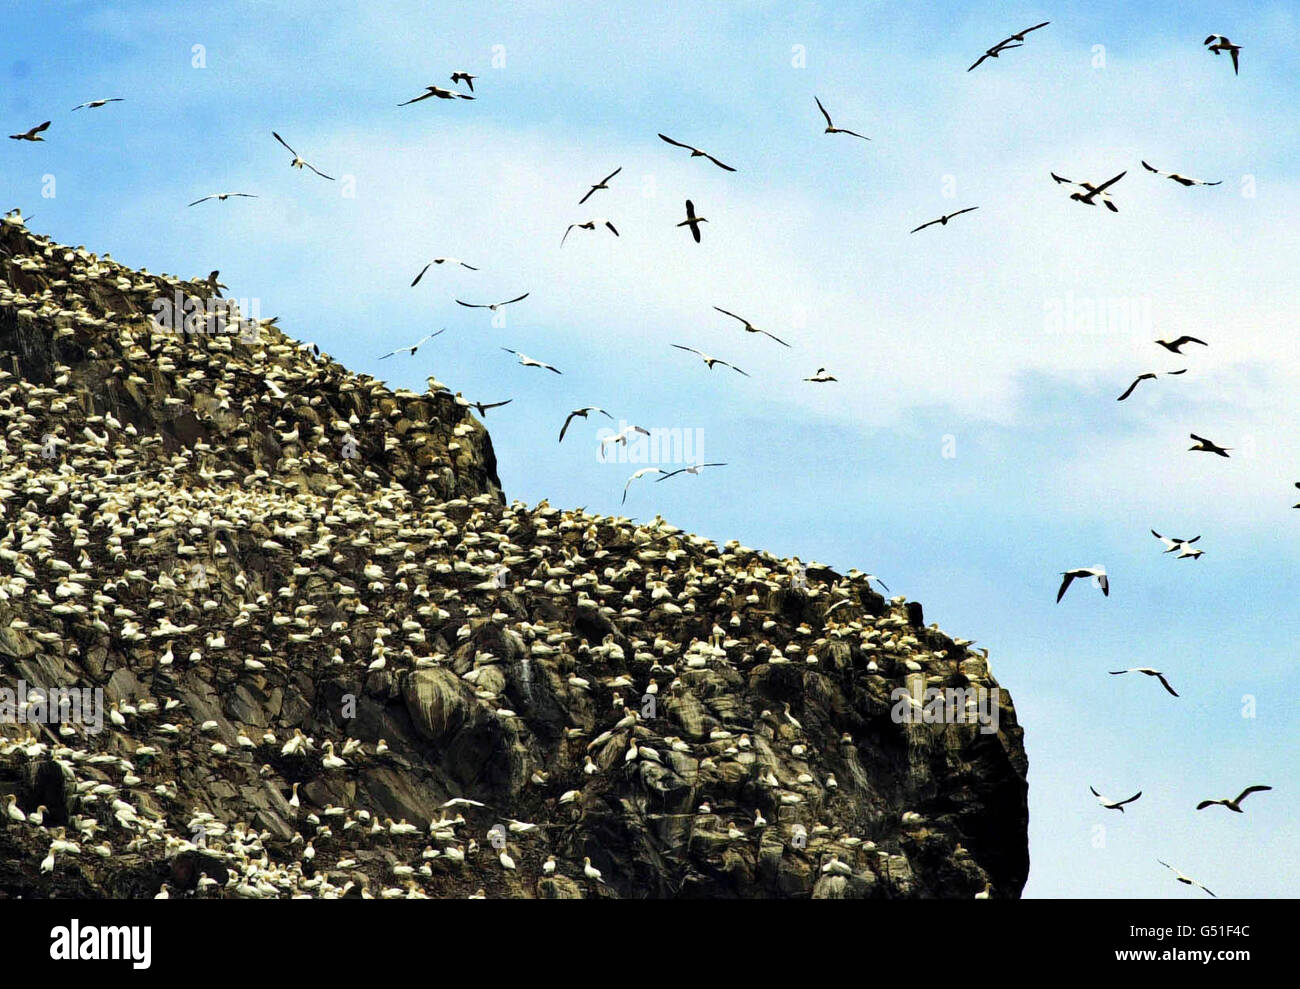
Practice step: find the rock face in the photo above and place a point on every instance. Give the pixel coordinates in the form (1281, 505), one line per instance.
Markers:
(268, 564)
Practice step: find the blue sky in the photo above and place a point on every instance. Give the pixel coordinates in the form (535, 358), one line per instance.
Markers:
(947, 339)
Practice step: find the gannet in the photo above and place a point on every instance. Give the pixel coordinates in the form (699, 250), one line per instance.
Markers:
(1233, 804)
(693, 221)
(1097, 572)
(602, 184)
(1114, 804)
(1149, 672)
(695, 153)
(831, 128)
(298, 161)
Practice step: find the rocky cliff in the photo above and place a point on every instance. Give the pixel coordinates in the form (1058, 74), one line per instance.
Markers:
(334, 661)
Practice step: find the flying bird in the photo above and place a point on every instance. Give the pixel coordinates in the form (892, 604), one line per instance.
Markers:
(750, 327)
(1206, 446)
(591, 224)
(1185, 880)
(621, 436)
(710, 361)
(822, 376)
(494, 306)
(1148, 376)
(1171, 543)
(298, 161)
(1218, 43)
(222, 197)
(1180, 179)
(1233, 804)
(1175, 345)
(831, 128)
(440, 261)
(31, 135)
(693, 221)
(1070, 575)
(1091, 192)
(580, 413)
(1148, 671)
(92, 104)
(640, 474)
(1021, 35)
(1114, 804)
(482, 407)
(993, 52)
(692, 469)
(464, 77)
(527, 361)
(695, 152)
(602, 184)
(943, 220)
(438, 91)
(413, 347)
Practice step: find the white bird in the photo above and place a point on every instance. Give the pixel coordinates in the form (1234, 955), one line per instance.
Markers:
(506, 861)
(1114, 804)
(590, 871)
(692, 469)
(413, 347)
(591, 224)
(1172, 543)
(1185, 880)
(1180, 179)
(580, 413)
(438, 91)
(92, 104)
(822, 376)
(223, 196)
(710, 361)
(622, 437)
(831, 128)
(640, 474)
(750, 327)
(1149, 672)
(494, 306)
(31, 135)
(1091, 193)
(1069, 575)
(298, 161)
(527, 361)
(1233, 804)
(440, 261)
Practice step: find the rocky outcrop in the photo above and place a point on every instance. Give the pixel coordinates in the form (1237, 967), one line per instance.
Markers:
(343, 675)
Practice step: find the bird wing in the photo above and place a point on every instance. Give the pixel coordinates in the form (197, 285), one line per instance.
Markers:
(391, 353)
(612, 227)
(422, 96)
(978, 61)
(590, 192)
(691, 349)
(854, 134)
(1104, 581)
(829, 123)
(1109, 182)
(281, 140)
(732, 315)
(565, 428)
(484, 406)
(1233, 53)
(549, 367)
(695, 232)
(474, 305)
(1186, 339)
(1249, 790)
(517, 298)
(719, 164)
(924, 225)
(318, 171)
(774, 337)
(733, 367)
(665, 137)
(1065, 585)
(203, 200)
(1165, 683)
(1207, 803)
(968, 209)
(421, 274)
(670, 473)
(1094, 792)
(690, 210)
(1034, 28)
(1129, 800)
(566, 233)
(1129, 391)
(37, 130)
(1061, 180)
(506, 349)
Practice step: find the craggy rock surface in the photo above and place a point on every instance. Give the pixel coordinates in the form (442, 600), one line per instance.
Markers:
(181, 526)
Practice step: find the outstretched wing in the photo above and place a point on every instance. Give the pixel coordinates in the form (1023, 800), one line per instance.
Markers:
(824, 113)
(421, 274)
(281, 140)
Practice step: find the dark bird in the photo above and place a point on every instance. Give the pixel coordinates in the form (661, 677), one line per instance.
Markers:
(441, 261)
(943, 220)
(1149, 376)
(750, 327)
(221, 197)
(1180, 179)
(1174, 345)
(1185, 880)
(1114, 804)
(591, 224)
(494, 306)
(298, 161)
(92, 104)
(1235, 804)
(832, 129)
(710, 361)
(31, 135)
(602, 184)
(580, 413)
(1091, 192)
(1021, 35)
(1218, 43)
(438, 91)
(1205, 446)
(1069, 575)
(993, 52)
(1148, 671)
(464, 77)
(413, 347)
(693, 221)
(696, 152)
